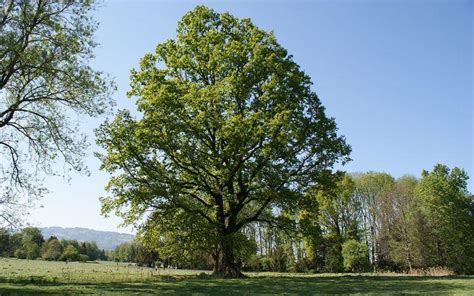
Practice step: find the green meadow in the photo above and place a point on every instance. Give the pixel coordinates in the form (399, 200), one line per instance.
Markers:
(37, 277)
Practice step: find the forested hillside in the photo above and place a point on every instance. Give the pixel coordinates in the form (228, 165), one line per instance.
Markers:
(106, 240)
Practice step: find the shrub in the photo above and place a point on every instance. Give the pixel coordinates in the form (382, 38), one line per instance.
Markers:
(265, 263)
(69, 254)
(32, 251)
(279, 260)
(82, 257)
(301, 266)
(20, 254)
(253, 263)
(333, 259)
(52, 250)
(432, 271)
(354, 254)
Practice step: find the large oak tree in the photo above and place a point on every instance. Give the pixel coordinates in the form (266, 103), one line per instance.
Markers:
(229, 129)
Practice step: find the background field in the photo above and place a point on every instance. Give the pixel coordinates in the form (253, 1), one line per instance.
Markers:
(19, 277)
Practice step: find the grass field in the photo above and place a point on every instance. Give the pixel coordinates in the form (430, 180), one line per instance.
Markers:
(20, 277)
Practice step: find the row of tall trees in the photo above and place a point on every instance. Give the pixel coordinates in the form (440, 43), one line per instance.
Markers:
(356, 223)
(372, 221)
(30, 244)
(134, 252)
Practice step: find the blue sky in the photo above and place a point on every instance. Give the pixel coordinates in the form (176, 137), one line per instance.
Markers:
(396, 75)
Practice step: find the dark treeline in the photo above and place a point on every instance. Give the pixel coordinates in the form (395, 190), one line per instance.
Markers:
(30, 244)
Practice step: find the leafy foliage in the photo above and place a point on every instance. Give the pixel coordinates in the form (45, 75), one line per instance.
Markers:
(45, 81)
(355, 257)
(52, 249)
(30, 244)
(230, 128)
(448, 210)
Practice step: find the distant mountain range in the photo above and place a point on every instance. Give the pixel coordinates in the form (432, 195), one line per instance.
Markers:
(107, 240)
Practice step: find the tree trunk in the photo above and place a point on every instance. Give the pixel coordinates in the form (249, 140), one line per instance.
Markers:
(373, 244)
(225, 264)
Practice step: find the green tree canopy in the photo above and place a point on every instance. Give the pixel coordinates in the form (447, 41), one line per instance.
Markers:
(45, 81)
(32, 239)
(448, 209)
(32, 235)
(4, 242)
(356, 255)
(230, 128)
(338, 208)
(403, 224)
(52, 249)
(371, 188)
(69, 253)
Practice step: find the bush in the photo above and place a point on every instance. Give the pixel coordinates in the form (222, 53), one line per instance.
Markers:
(4, 242)
(32, 251)
(20, 254)
(82, 257)
(265, 263)
(301, 266)
(69, 254)
(253, 263)
(333, 261)
(279, 260)
(432, 271)
(52, 250)
(355, 257)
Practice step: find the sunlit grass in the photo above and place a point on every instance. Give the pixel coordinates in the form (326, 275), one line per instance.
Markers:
(42, 277)
(78, 272)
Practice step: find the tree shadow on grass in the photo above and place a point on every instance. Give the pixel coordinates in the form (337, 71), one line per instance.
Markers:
(327, 285)
(260, 285)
